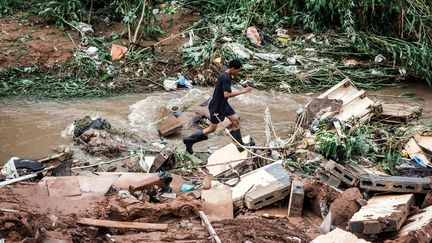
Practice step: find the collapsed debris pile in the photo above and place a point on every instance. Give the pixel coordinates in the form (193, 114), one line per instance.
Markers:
(348, 172)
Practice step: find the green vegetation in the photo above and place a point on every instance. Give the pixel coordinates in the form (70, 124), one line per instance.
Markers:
(322, 36)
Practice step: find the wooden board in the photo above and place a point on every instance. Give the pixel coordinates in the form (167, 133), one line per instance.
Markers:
(224, 155)
(96, 185)
(217, 203)
(169, 125)
(357, 108)
(63, 186)
(413, 149)
(425, 142)
(354, 102)
(338, 236)
(129, 178)
(122, 224)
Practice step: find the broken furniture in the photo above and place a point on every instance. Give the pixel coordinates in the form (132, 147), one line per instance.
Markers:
(398, 113)
(163, 156)
(355, 103)
(416, 152)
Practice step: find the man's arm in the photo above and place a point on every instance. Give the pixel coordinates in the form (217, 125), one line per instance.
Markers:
(233, 94)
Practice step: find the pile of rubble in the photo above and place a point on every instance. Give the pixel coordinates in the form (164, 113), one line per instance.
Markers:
(158, 193)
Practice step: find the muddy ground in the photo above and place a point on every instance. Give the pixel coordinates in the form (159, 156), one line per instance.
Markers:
(39, 216)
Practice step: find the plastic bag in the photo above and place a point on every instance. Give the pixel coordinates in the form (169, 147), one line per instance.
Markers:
(117, 51)
(253, 36)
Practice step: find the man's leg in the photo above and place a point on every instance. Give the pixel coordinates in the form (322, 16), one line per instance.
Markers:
(235, 132)
(198, 136)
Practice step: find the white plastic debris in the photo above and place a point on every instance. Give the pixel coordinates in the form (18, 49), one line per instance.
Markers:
(147, 163)
(226, 39)
(92, 52)
(380, 58)
(291, 60)
(281, 32)
(285, 87)
(268, 56)
(238, 49)
(9, 170)
(85, 28)
(376, 72)
(170, 84)
(288, 69)
(191, 38)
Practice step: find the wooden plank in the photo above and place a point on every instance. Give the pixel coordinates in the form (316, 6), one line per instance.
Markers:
(224, 155)
(21, 178)
(357, 108)
(169, 125)
(383, 213)
(217, 203)
(51, 157)
(338, 236)
(122, 224)
(209, 227)
(413, 149)
(349, 97)
(341, 84)
(425, 142)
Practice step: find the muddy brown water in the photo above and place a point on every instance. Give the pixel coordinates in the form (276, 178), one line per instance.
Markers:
(32, 129)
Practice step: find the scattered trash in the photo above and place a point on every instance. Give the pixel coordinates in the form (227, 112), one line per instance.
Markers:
(9, 170)
(117, 52)
(186, 188)
(253, 36)
(184, 82)
(92, 52)
(268, 56)
(380, 58)
(170, 84)
(239, 50)
(85, 28)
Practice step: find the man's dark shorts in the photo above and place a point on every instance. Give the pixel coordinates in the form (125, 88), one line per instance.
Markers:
(227, 110)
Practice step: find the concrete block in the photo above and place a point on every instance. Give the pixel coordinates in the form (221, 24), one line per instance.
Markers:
(330, 179)
(395, 184)
(265, 195)
(419, 228)
(384, 213)
(272, 178)
(342, 173)
(295, 204)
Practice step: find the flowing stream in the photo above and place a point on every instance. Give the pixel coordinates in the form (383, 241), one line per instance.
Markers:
(33, 128)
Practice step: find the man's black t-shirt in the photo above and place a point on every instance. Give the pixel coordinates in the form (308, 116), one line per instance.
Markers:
(219, 104)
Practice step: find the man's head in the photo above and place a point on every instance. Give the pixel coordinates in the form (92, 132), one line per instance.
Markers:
(234, 67)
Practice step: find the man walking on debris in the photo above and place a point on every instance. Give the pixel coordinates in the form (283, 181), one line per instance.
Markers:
(219, 108)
